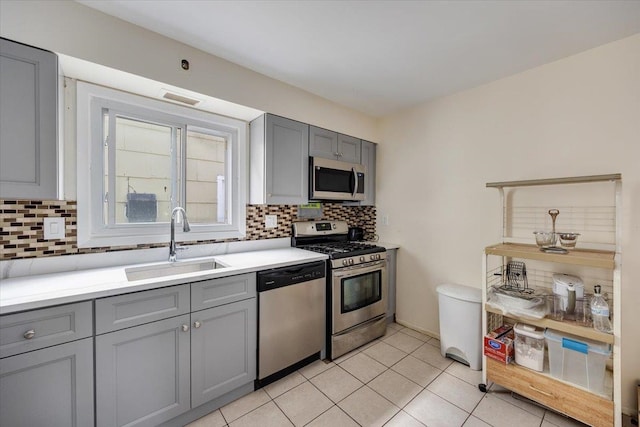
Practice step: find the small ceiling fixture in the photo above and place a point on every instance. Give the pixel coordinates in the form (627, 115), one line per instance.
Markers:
(184, 64)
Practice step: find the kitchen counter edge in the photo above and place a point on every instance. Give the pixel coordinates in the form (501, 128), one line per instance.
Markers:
(32, 292)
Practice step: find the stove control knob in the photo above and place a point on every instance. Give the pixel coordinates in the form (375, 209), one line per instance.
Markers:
(361, 259)
(350, 261)
(345, 262)
(373, 257)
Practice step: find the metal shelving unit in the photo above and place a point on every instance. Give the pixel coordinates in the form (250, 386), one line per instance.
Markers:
(597, 213)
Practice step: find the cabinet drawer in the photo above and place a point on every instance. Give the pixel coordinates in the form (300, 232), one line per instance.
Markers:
(215, 292)
(573, 401)
(124, 311)
(37, 329)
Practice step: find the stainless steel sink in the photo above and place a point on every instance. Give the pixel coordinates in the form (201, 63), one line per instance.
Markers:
(170, 269)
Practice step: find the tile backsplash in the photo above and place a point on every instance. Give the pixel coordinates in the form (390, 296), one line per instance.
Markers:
(22, 235)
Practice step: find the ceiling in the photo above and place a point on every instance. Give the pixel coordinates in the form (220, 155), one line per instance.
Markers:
(379, 57)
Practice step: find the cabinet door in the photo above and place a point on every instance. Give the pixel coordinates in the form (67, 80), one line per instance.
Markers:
(142, 374)
(369, 160)
(28, 122)
(349, 149)
(323, 143)
(287, 161)
(49, 387)
(223, 350)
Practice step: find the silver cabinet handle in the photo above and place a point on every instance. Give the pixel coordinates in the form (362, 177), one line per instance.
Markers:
(185, 328)
(29, 334)
(197, 324)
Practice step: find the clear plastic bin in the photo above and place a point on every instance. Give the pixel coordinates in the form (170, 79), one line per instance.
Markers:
(578, 360)
(529, 346)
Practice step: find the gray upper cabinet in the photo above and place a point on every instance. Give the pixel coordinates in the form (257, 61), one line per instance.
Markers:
(143, 373)
(50, 387)
(279, 161)
(332, 145)
(369, 160)
(349, 148)
(223, 349)
(323, 143)
(28, 122)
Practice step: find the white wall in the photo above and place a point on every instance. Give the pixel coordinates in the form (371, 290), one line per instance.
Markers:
(73, 29)
(577, 116)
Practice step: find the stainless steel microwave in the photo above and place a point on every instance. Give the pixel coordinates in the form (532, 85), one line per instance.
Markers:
(335, 180)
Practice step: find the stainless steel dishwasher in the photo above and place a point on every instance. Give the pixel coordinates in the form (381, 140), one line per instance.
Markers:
(291, 319)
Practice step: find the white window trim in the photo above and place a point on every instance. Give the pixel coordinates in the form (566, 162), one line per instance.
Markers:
(91, 232)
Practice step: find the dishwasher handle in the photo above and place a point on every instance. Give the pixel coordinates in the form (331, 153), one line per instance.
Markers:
(286, 276)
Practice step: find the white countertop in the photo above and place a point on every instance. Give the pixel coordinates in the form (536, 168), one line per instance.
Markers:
(29, 292)
(386, 245)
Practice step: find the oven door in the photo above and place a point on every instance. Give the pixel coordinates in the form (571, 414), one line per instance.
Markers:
(359, 293)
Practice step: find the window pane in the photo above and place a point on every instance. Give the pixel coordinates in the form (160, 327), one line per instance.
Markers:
(143, 171)
(205, 171)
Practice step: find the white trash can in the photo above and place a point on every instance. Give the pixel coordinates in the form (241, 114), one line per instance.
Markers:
(461, 324)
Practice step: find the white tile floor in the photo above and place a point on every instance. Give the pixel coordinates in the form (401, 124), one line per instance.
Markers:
(398, 380)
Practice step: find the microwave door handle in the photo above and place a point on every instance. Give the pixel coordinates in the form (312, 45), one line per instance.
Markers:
(355, 180)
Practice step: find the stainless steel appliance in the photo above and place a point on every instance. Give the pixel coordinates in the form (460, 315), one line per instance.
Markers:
(291, 319)
(356, 284)
(335, 180)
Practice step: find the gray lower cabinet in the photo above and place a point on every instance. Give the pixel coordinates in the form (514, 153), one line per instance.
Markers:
(50, 387)
(143, 373)
(279, 161)
(28, 122)
(223, 350)
(151, 373)
(391, 277)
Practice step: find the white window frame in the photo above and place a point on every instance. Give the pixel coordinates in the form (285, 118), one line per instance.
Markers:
(91, 231)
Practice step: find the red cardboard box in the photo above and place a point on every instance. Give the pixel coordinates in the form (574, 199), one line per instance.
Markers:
(498, 344)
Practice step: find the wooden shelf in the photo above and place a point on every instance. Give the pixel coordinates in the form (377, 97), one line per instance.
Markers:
(567, 398)
(558, 325)
(589, 258)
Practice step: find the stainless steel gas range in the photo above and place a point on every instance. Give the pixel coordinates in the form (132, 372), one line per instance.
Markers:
(356, 284)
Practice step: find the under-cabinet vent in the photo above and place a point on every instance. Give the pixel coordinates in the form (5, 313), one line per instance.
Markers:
(180, 98)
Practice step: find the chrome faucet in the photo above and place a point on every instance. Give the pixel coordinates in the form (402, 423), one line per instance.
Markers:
(185, 227)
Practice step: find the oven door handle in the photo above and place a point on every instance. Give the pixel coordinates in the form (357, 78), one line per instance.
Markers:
(358, 269)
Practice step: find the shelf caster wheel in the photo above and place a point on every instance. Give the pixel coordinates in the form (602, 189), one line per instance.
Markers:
(482, 387)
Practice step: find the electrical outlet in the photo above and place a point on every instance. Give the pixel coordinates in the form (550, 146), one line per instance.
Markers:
(270, 221)
(54, 228)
